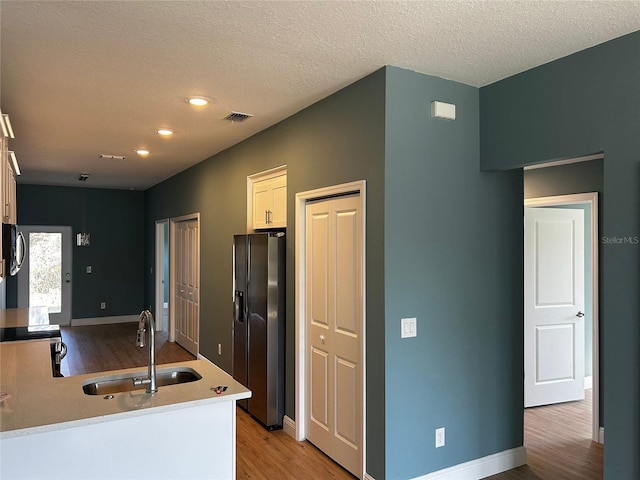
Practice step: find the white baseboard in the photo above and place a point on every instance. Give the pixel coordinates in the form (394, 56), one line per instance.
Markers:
(368, 477)
(601, 435)
(78, 322)
(481, 467)
(588, 382)
(289, 426)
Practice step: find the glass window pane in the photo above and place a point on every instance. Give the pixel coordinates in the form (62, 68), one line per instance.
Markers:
(45, 271)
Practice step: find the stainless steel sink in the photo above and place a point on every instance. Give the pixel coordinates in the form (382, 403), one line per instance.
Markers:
(124, 383)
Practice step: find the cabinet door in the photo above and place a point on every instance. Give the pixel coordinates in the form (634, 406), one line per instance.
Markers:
(9, 214)
(4, 147)
(278, 215)
(4, 184)
(270, 203)
(261, 204)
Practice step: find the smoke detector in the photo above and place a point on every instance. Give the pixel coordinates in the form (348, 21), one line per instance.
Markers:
(237, 117)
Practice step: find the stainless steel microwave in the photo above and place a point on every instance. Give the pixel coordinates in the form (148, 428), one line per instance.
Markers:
(13, 248)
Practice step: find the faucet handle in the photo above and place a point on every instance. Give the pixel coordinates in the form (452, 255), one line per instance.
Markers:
(140, 337)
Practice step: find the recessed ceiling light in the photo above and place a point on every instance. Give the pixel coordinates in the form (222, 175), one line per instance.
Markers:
(198, 101)
(164, 132)
(143, 152)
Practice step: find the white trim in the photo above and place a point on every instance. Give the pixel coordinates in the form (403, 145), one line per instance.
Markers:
(159, 274)
(601, 435)
(588, 382)
(481, 467)
(587, 158)
(80, 322)
(592, 199)
(289, 426)
(300, 272)
(368, 477)
(257, 177)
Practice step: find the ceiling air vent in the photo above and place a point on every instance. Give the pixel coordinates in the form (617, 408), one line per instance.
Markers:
(237, 117)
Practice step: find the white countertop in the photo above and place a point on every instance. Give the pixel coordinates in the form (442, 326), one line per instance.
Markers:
(24, 317)
(39, 402)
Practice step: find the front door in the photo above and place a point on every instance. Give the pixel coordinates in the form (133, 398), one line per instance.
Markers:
(187, 284)
(554, 306)
(45, 277)
(334, 329)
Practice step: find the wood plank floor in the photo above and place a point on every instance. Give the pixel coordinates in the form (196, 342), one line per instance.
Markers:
(558, 443)
(96, 348)
(557, 437)
(260, 454)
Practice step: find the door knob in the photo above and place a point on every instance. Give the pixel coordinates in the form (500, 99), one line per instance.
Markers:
(579, 314)
(322, 339)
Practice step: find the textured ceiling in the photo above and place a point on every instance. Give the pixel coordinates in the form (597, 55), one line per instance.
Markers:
(80, 79)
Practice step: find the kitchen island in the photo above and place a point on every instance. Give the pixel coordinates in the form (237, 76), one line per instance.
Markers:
(49, 428)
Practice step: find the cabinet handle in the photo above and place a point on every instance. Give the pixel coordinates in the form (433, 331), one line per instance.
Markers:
(270, 216)
(266, 217)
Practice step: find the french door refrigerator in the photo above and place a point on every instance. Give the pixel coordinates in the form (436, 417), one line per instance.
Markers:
(258, 323)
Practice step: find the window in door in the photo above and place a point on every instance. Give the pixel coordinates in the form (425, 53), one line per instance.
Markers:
(45, 277)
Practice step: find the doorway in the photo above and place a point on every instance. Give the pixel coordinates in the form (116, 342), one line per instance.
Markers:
(162, 275)
(45, 277)
(588, 202)
(331, 321)
(184, 260)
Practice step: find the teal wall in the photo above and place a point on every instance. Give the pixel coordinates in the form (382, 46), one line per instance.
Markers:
(453, 259)
(337, 140)
(114, 218)
(586, 103)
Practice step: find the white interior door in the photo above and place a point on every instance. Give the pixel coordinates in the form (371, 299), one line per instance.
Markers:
(161, 271)
(334, 330)
(187, 284)
(45, 277)
(554, 306)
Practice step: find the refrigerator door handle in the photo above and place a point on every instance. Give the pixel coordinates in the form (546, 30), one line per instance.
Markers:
(238, 307)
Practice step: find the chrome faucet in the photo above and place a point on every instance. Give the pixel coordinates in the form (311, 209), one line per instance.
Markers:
(146, 322)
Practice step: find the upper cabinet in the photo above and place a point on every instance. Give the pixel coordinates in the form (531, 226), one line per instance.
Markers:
(9, 215)
(269, 198)
(8, 171)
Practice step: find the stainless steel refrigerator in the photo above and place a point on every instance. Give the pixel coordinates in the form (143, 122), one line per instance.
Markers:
(258, 323)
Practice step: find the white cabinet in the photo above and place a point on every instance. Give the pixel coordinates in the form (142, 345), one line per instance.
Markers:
(3, 161)
(8, 171)
(9, 214)
(270, 203)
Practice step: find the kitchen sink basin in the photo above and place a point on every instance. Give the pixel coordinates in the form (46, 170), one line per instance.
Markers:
(124, 383)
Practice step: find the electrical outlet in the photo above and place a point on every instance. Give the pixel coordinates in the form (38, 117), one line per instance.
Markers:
(439, 437)
(88, 268)
(219, 349)
(103, 305)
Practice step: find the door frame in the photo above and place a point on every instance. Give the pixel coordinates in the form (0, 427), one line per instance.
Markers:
(302, 198)
(591, 198)
(159, 269)
(172, 270)
(22, 277)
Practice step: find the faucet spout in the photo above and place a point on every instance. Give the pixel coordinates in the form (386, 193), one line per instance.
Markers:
(145, 323)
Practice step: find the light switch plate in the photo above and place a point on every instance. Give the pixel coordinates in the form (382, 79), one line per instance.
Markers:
(408, 327)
